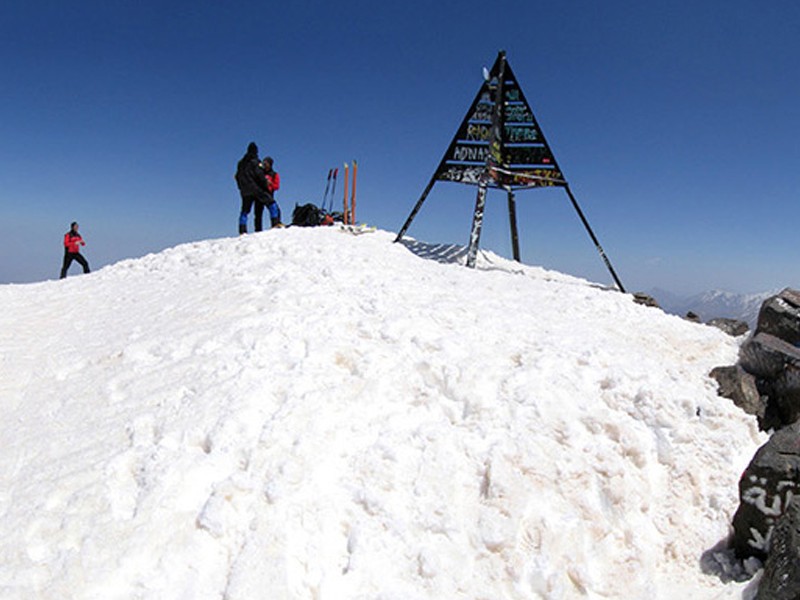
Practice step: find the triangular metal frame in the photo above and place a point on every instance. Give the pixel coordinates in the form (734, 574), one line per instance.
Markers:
(500, 145)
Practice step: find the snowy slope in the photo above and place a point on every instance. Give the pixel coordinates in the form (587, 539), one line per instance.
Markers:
(308, 414)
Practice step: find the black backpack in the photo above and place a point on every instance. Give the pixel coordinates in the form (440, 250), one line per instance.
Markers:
(307, 215)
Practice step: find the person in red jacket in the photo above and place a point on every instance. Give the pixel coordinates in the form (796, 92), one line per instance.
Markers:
(72, 250)
(273, 185)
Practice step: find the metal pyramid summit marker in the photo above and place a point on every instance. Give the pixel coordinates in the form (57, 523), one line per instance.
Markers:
(500, 128)
(500, 145)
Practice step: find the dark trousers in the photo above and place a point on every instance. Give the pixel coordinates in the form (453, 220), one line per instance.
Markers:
(68, 258)
(247, 204)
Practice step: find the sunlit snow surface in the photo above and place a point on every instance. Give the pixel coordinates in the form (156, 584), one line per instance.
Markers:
(305, 413)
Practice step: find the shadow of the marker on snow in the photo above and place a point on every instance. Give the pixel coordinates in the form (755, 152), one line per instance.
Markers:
(454, 254)
(441, 253)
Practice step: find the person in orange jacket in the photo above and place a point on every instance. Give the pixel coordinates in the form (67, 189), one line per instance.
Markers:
(72, 251)
(273, 185)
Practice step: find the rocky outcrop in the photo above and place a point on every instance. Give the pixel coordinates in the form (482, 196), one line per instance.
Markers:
(645, 300)
(733, 327)
(766, 383)
(771, 356)
(781, 577)
(766, 356)
(780, 316)
(693, 317)
(741, 387)
(767, 486)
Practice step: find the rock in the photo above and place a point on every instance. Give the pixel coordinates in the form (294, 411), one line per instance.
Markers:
(781, 577)
(732, 327)
(740, 386)
(693, 317)
(767, 485)
(780, 316)
(644, 299)
(766, 356)
(786, 393)
(776, 367)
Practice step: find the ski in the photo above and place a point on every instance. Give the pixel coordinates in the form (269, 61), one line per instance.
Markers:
(357, 229)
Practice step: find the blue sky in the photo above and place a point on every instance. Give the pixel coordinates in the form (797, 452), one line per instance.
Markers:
(675, 123)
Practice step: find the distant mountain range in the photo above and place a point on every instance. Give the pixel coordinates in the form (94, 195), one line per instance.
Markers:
(714, 304)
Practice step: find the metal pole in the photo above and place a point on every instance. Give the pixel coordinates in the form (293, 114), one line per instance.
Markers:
(415, 210)
(594, 239)
(477, 224)
(512, 217)
(493, 159)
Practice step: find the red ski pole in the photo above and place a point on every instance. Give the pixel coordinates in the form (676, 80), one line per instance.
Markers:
(353, 195)
(346, 176)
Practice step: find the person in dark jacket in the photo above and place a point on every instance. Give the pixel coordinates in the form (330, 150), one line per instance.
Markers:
(72, 250)
(273, 185)
(252, 183)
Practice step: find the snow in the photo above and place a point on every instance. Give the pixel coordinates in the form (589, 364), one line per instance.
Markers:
(305, 413)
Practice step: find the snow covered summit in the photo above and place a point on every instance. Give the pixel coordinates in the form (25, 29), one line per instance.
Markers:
(310, 414)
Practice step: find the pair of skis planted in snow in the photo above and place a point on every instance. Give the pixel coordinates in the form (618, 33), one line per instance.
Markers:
(349, 212)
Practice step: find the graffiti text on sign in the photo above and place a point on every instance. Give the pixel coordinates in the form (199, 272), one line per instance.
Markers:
(495, 152)
(469, 175)
(521, 134)
(535, 178)
(478, 133)
(483, 112)
(514, 113)
(518, 113)
(512, 95)
(528, 155)
(515, 134)
(470, 153)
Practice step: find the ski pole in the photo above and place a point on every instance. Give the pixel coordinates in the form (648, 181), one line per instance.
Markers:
(333, 189)
(353, 195)
(327, 185)
(346, 176)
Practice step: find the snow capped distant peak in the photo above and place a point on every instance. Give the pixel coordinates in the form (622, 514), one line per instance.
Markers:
(717, 295)
(716, 304)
